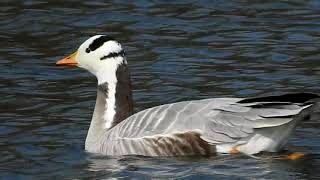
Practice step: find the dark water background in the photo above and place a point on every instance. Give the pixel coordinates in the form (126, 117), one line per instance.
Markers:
(177, 51)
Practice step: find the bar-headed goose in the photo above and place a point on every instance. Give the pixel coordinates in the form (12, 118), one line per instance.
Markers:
(204, 127)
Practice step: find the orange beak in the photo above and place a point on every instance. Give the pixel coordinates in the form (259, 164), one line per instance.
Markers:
(69, 60)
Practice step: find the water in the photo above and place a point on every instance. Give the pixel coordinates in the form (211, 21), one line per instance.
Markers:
(177, 51)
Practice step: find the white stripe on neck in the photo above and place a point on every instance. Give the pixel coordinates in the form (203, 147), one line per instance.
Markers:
(108, 75)
(110, 106)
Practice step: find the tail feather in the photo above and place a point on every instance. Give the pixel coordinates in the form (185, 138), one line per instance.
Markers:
(311, 113)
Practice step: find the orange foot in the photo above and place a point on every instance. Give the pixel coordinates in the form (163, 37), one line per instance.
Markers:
(234, 151)
(293, 156)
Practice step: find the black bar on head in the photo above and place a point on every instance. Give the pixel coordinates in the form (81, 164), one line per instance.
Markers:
(113, 55)
(99, 42)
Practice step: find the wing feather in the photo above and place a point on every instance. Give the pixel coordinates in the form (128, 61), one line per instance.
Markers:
(239, 121)
(220, 120)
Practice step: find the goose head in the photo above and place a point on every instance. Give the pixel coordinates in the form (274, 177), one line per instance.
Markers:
(105, 58)
(100, 55)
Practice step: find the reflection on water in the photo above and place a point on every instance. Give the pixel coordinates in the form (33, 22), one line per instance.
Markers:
(177, 51)
(221, 167)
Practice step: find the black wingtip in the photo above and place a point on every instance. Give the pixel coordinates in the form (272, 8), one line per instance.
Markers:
(292, 97)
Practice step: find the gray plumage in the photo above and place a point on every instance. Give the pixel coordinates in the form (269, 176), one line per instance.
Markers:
(215, 121)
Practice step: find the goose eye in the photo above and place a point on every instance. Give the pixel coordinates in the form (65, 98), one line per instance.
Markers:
(88, 50)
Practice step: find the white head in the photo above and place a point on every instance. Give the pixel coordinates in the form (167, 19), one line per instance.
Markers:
(104, 57)
(100, 55)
